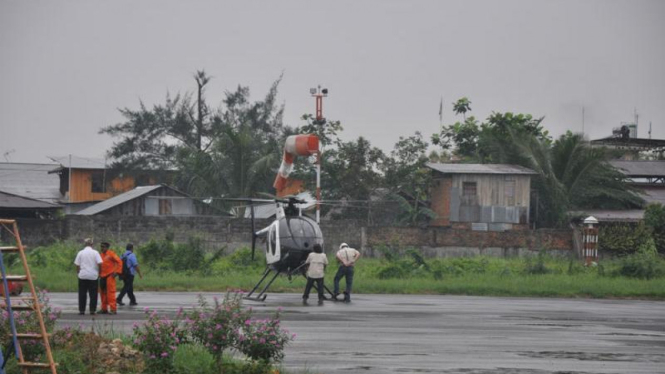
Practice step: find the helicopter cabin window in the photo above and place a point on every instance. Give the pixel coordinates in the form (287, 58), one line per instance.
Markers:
(273, 240)
(469, 193)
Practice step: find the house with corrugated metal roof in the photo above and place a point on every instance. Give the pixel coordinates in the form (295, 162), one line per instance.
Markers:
(31, 181)
(481, 197)
(645, 175)
(158, 200)
(14, 206)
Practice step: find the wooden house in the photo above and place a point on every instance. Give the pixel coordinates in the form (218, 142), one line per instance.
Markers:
(483, 197)
(87, 180)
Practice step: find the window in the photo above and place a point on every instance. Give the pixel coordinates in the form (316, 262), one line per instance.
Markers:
(97, 179)
(469, 193)
(509, 191)
(164, 207)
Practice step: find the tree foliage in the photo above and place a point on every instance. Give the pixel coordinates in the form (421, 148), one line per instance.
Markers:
(654, 219)
(570, 173)
(227, 151)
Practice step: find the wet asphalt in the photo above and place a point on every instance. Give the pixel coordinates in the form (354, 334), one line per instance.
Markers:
(440, 334)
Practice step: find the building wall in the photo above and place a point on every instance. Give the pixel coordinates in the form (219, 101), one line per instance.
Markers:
(500, 202)
(81, 188)
(161, 202)
(440, 196)
(217, 232)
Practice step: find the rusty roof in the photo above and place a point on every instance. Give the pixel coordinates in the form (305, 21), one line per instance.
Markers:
(480, 169)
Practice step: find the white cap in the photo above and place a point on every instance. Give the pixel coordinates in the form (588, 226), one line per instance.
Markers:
(343, 245)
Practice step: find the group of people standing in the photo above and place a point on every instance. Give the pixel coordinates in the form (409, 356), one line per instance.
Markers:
(97, 274)
(317, 262)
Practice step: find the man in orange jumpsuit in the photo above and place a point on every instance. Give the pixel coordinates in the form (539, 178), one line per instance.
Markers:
(110, 268)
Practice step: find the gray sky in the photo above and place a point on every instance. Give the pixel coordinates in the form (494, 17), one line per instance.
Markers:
(66, 66)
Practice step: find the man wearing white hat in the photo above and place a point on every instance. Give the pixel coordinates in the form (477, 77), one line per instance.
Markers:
(347, 258)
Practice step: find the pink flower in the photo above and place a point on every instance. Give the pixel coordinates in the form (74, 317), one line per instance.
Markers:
(164, 354)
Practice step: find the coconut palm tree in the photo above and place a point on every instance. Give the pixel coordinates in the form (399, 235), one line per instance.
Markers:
(571, 175)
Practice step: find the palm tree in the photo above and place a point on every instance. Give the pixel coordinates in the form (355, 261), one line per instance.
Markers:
(462, 106)
(571, 175)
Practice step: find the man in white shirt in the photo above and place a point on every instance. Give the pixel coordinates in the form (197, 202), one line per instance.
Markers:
(88, 263)
(317, 262)
(347, 258)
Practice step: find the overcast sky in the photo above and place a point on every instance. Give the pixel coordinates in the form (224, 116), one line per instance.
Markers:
(67, 66)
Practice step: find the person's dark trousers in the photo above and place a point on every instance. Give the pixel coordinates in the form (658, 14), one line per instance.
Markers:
(88, 288)
(127, 289)
(310, 283)
(345, 272)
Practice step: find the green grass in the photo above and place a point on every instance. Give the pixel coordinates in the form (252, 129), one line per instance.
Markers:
(539, 276)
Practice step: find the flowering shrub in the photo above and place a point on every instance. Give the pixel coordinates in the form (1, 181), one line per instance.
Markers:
(216, 327)
(264, 340)
(28, 322)
(158, 339)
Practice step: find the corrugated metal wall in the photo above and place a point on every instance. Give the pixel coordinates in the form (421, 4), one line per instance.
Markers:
(499, 199)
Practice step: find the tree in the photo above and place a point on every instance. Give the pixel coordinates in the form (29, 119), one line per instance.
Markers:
(571, 175)
(462, 106)
(408, 179)
(229, 151)
(351, 172)
(479, 142)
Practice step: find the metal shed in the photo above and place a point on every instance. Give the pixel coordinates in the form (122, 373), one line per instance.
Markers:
(484, 197)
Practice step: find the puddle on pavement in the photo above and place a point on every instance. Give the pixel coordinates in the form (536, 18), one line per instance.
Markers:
(591, 356)
(498, 371)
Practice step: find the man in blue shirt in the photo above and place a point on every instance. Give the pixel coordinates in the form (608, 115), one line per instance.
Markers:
(130, 269)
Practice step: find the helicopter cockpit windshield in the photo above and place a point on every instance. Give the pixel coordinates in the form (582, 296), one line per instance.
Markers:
(299, 233)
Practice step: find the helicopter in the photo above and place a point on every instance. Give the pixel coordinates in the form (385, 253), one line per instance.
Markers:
(290, 238)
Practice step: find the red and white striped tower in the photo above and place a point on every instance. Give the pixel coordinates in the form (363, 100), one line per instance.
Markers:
(590, 240)
(319, 94)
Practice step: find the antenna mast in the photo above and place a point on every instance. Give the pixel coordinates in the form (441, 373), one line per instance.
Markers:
(318, 94)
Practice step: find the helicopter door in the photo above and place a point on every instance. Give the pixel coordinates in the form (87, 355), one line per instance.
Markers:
(273, 247)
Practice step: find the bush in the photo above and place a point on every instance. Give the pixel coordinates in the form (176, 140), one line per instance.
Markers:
(158, 339)
(217, 328)
(264, 340)
(28, 322)
(183, 257)
(538, 266)
(654, 218)
(645, 264)
(391, 271)
(621, 239)
(193, 358)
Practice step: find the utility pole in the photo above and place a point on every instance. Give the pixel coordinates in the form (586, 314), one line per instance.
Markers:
(318, 94)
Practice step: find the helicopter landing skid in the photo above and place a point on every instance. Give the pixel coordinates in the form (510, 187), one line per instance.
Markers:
(262, 295)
